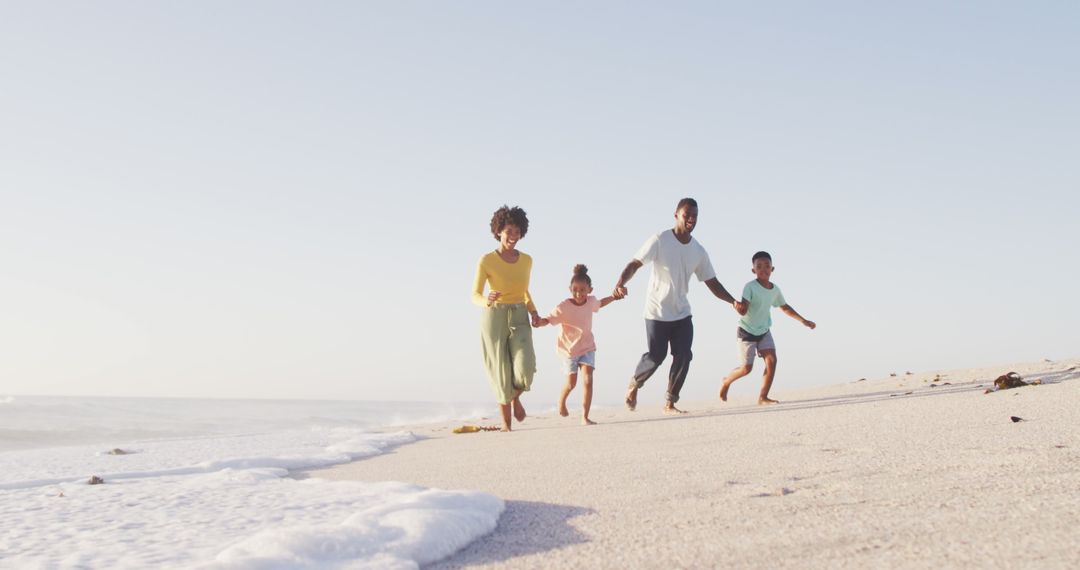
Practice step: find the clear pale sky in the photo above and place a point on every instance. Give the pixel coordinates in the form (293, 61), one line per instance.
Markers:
(288, 199)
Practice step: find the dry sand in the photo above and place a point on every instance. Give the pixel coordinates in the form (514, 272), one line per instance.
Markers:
(886, 473)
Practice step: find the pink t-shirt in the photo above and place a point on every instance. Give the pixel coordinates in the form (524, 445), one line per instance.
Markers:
(575, 334)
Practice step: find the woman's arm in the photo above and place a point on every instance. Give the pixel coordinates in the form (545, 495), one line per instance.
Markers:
(478, 297)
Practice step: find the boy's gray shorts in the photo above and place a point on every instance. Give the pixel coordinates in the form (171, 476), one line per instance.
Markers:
(748, 349)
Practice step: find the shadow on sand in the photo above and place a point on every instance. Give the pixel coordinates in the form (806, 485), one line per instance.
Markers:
(525, 527)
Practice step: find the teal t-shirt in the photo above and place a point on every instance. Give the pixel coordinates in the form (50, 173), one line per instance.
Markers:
(757, 320)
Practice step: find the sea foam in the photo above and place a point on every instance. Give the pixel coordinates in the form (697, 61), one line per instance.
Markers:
(226, 500)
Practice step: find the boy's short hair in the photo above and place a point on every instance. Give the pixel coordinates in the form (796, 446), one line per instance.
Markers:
(507, 215)
(686, 202)
(761, 254)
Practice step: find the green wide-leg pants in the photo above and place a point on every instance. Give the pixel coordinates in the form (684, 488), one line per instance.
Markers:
(506, 336)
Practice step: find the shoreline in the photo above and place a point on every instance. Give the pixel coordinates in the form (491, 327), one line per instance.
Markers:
(878, 472)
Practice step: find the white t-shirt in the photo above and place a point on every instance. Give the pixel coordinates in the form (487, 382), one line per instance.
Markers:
(673, 264)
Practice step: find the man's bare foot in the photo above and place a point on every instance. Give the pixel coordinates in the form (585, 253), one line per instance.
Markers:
(562, 409)
(766, 401)
(505, 428)
(587, 422)
(631, 399)
(670, 408)
(519, 410)
(723, 391)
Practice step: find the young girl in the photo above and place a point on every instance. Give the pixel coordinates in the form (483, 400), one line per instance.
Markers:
(575, 343)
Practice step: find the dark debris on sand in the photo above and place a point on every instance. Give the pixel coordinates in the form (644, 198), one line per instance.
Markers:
(1009, 381)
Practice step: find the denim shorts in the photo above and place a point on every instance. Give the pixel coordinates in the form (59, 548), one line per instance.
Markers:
(570, 365)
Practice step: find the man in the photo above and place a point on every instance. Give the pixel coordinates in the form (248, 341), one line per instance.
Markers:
(675, 256)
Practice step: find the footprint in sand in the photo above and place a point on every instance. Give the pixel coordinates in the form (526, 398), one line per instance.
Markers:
(782, 491)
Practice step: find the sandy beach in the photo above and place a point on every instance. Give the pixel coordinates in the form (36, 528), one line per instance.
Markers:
(915, 470)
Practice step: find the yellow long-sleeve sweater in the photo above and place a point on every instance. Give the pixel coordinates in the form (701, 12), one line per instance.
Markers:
(510, 279)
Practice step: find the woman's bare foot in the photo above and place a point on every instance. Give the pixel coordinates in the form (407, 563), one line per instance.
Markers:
(766, 401)
(587, 422)
(631, 399)
(723, 391)
(669, 408)
(562, 409)
(519, 410)
(505, 429)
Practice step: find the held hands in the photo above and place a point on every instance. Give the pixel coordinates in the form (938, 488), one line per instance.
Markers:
(620, 292)
(741, 307)
(537, 322)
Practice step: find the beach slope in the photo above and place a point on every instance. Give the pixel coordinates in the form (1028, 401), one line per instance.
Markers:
(915, 470)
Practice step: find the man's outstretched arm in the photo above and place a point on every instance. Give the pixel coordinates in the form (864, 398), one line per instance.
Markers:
(627, 273)
(718, 290)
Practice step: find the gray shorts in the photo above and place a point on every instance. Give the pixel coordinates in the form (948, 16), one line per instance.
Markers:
(749, 349)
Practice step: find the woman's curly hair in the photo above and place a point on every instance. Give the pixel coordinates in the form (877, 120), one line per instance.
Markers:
(507, 215)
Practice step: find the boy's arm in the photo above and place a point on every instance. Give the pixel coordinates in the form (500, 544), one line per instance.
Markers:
(718, 290)
(627, 273)
(795, 315)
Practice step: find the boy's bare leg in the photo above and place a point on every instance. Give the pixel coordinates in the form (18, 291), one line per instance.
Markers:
(770, 371)
(586, 396)
(734, 375)
(504, 409)
(571, 381)
(519, 410)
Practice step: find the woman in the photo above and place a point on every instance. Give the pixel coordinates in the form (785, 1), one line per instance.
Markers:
(505, 331)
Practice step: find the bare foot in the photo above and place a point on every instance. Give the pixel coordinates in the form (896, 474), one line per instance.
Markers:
(670, 408)
(505, 428)
(766, 401)
(519, 410)
(723, 391)
(587, 422)
(562, 409)
(631, 399)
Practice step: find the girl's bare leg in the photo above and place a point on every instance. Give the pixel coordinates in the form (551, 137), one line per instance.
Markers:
(571, 381)
(586, 401)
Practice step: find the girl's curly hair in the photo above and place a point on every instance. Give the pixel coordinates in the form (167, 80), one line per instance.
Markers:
(507, 215)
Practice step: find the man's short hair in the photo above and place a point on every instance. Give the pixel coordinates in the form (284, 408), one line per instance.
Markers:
(761, 254)
(686, 202)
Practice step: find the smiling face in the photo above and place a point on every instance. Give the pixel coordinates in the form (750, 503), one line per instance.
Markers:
(686, 219)
(580, 291)
(509, 236)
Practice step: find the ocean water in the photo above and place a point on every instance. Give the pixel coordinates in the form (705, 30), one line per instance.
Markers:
(205, 484)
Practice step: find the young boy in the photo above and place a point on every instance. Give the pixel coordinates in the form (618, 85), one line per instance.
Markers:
(758, 298)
